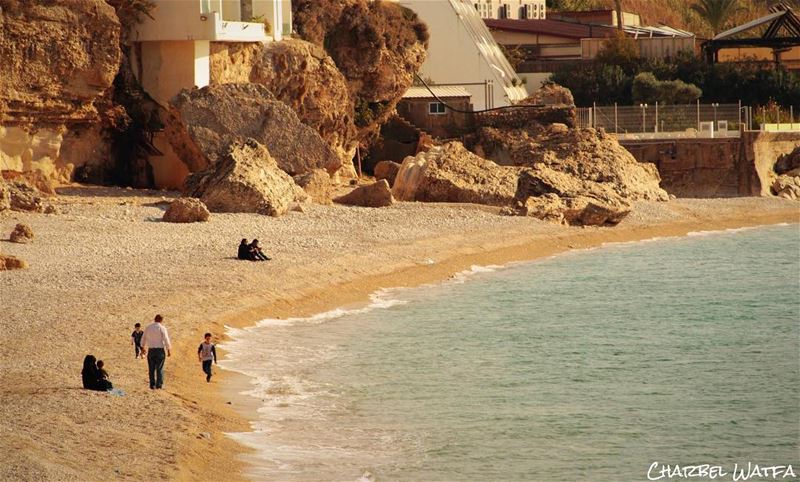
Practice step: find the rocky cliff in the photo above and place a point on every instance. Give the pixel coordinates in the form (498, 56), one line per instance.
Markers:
(58, 57)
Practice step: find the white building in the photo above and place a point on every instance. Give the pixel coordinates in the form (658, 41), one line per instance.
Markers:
(511, 9)
(462, 52)
(175, 50)
(174, 47)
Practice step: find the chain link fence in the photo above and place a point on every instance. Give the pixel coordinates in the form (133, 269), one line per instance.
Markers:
(667, 121)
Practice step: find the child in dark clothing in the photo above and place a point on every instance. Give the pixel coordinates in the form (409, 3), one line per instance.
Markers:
(136, 339)
(101, 373)
(207, 352)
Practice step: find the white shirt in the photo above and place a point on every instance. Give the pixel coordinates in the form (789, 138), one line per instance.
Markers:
(156, 336)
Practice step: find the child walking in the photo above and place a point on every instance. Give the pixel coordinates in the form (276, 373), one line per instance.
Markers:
(207, 352)
(136, 339)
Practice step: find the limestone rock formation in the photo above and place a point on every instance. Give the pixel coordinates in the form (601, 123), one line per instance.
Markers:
(34, 179)
(787, 185)
(450, 173)
(788, 162)
(246, 179)
(375, 195)
(208, 121)
(304, 76)
(57, 58)
(551, 94)
(19, 196)
(588, 155)
(387, 170)
(8, 263)
(377, 46)
(22, 234)
(317, 184)
(186, 210)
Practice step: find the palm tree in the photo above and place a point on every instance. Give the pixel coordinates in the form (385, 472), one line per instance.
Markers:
(716, 13)
(618, 8)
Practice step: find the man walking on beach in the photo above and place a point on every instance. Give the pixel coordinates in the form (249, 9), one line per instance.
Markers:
(155, 342)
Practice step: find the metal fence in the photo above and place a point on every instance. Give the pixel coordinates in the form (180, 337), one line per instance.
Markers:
(691, 120)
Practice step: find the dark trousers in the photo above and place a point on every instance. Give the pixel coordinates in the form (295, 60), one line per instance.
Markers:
(155, 366)
(207, 369)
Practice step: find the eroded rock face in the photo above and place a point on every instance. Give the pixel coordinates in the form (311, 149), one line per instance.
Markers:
(35, 179)
(22, 234)
(317, 184)
(377, 46)
(246, 180)
(186, 210)
(208, 121)
(787, 185)
(304, 76)
(375, 195)
(19, 196)
(551, 94)
(57, 58)
(450, 173)
(595, 159)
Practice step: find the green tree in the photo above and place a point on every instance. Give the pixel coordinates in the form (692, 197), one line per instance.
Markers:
(716, 13)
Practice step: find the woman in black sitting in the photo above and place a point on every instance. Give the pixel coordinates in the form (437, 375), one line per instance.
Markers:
(91, 376)
(244, 250)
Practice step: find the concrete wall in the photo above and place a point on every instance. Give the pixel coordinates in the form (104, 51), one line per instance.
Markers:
(716, 167)
(167, 67)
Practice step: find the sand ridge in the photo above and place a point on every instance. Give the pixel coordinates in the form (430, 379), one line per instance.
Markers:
(108, 262)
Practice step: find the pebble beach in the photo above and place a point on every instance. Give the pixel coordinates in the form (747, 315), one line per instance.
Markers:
(107, 261)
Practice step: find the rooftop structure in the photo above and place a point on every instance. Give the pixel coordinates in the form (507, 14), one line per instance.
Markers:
(515, 9)
(463, 52)
(599, 17)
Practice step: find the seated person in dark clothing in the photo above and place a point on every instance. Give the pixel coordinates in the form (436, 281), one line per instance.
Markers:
(255, 252)
(91, 376)
(244, 250)
(101, 373)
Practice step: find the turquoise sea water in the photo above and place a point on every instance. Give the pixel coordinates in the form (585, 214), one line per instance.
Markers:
(586, 366)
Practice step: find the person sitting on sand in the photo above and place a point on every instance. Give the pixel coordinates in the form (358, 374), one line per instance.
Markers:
(101, 373)
(244, 250)
(91, 376)
(255, 252)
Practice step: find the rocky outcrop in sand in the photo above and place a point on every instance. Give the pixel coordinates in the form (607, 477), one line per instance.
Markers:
(787, 172)
(588, 155)
(8, 263)
(22, 234)
(387, 170)
(375, 195)
(19, 196)
(186, 210)
(208, 121)
(246, 180)
(317, 184)
(450, 173)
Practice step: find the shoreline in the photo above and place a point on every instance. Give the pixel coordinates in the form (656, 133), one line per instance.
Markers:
(239, 382)
(107, 261)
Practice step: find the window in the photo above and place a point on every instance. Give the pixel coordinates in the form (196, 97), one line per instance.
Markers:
(436, 108)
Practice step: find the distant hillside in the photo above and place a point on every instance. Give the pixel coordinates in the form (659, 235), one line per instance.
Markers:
(675, 13)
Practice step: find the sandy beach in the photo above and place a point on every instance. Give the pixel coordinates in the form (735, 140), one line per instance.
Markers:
(107, 262)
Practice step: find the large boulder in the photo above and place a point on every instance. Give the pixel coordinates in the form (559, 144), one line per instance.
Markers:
(303, 76)
(186, 210)
(788, 162)
(246, 179)
(375, 195)
(450, 173)
(35, 179)
(317, 184)
(787, 185)
(19, 196)
(22, 234)
(585, 154)
(208, 121)
(387, 170)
